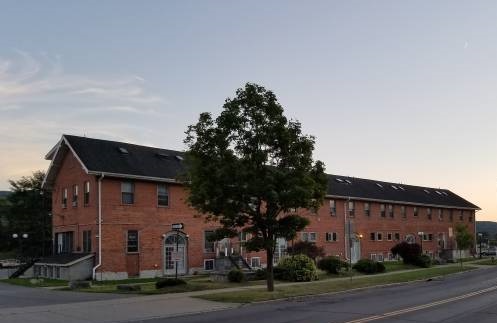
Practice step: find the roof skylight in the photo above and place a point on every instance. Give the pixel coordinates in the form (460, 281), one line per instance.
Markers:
(348, 181)
(339, 180)
(438, 192)
(394, 187)
(426, 191)
(379, 185)
(179, 157)
(123, 150)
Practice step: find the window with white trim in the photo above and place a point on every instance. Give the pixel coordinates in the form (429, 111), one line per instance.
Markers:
(309, 236)
(162, 195)
(86, 193)
(379, 236)
(208, 243)
(331, 236)
(255, 262)
(351, 208)
(64, 198)
(403, 211)
(390, 210)
(333, 208)
(415, 211)
(428, 213)
(75, 192)
(382, 210)
(379, 257)
(208, 264)
(440, 214)
(367, 209)
(389, 236)
(127, 192)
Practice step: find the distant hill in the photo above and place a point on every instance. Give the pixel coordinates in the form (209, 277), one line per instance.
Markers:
(487, 226)
(4, 194)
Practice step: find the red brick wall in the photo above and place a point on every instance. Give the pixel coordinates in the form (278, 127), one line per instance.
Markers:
(152, 222)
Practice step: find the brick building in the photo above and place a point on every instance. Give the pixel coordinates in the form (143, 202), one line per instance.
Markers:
(118, 201)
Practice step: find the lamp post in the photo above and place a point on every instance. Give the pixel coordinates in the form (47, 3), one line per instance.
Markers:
(20, 237)
(421, 234)
(480, 237)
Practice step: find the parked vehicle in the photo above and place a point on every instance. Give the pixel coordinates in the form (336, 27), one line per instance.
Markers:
(9, 263)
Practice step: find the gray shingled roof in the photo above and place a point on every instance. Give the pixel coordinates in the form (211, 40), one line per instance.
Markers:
(140, 161)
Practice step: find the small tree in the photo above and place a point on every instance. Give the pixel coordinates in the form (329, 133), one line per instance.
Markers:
(307, 248)
(250, 167)
(410, 252)
(464, 239)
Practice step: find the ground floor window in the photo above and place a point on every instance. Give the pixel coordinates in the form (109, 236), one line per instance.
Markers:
(255, 262)
(64, 242)
(209, 264)
(87, 241)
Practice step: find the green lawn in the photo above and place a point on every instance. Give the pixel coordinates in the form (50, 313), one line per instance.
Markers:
(487, 262)
(327, 286)
(396, 266)
(30, 282)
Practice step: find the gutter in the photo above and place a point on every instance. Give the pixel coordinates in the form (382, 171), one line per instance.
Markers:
(99, 226)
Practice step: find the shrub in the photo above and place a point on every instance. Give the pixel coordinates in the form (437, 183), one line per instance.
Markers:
(236, 276)
(307, 248)
(167, 282)
(332, 265)
(368, 266)
(261, 274)
(409, 252)
(297, 268)
(423, 261)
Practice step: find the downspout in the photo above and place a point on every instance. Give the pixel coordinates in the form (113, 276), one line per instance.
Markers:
(345, 229)
(99, 227)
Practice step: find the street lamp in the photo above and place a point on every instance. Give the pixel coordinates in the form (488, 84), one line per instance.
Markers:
(480, 236)
(20, 237)
(421, 234)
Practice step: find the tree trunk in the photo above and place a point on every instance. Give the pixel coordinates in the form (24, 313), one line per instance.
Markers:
(460, 256)
(270, 275)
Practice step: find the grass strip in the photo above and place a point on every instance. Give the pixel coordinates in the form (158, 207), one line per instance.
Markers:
(320, 287)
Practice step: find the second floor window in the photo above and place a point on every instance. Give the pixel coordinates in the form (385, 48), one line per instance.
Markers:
(86, 193)
(382, 210)
(367, 210)
(75, 192)
(390, 210)
(127, 193)
(333, 208)
(350, 207)
(428, 213)
(162, 195)
(64, 198)
(208, 242)
(461, 215)
(440, 215)
(309, 236)
(415, 211)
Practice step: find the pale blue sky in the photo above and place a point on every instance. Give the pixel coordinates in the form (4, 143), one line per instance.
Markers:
(393, 90)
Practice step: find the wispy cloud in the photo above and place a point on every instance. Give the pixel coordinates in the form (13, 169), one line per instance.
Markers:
(39, 101)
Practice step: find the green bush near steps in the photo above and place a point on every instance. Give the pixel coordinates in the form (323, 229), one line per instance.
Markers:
(369, 267)
(236, 276)
(296, 268)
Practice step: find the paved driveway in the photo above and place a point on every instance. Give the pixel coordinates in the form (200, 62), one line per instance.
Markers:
(18, 296)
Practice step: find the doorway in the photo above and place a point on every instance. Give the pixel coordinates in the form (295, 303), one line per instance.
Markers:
(175, 253)
(355, 250)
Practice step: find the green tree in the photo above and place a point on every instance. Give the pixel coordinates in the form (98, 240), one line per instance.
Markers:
(464, 239)
(6, 244)
(250, 167)
(29, 212)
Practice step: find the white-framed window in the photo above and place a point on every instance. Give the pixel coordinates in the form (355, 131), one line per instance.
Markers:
(415, 211)
(372, 256)
(379, 257)
(351, 208)
(127, 192)
(162, 195)
(367, 209)
(397, 236)
(379, 236)
(64, 198)
(428, 213)
(75, 193)
(382, 210)
(331, 236)
(333, 208)
(403, 211)
(390, 256)
(86, 193)
(389, 236)
(440, 214)
(208, 264)
(255, 262)
(309, 236)
(208, 244)
(390, 210)
(372, 236)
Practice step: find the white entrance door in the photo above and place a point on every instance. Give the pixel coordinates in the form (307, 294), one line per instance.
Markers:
(280, 251)
(175, 254)
(355, 255)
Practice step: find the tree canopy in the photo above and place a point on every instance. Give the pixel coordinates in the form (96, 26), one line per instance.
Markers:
(250, 168)
(28, 212)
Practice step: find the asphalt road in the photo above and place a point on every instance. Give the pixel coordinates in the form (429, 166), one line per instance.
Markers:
(19, 296)
(458, 298)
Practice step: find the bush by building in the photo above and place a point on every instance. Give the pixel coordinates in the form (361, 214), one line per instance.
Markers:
(410, 252)
(236, 276)
(167, 282)
(332, 265)
(368, 266)
(307, 248)
(296, 268)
